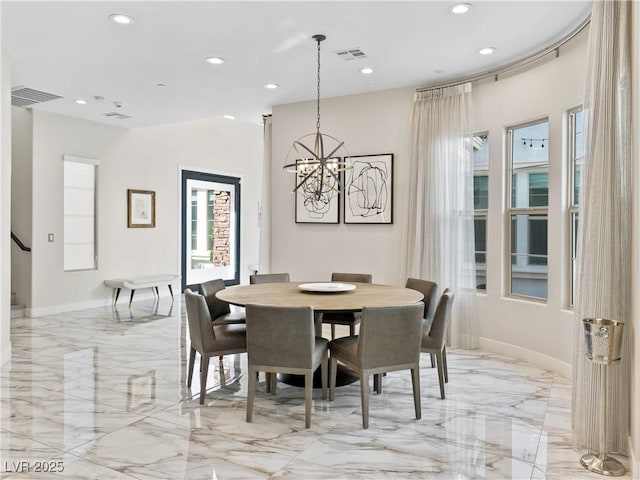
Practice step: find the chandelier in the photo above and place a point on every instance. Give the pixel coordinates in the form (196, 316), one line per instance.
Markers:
(317, 160)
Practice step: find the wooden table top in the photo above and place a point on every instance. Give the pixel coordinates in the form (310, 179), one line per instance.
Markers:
(289, 295)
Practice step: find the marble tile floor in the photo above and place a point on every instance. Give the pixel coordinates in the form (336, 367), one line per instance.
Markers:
(101, 394)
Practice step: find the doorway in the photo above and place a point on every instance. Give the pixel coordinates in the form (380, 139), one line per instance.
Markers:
(210, 235)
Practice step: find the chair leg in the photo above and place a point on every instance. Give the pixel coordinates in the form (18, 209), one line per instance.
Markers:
(333, 367)
(352, 329)
(440, 373)
(377, 383)
(192, 361)
(251, 392)
(444, 362)
(433, 360)
(415, 381)
(267, 382)
(324, 366)
(204, 370)
(364, 398)
(308, 394)
(223, 379)
(333, 331)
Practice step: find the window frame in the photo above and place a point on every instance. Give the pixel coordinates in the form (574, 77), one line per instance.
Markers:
(511, 212)
(190, 174)
(573, 210)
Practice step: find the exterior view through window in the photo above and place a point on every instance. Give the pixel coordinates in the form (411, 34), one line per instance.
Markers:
(529, 175)
(480, 205)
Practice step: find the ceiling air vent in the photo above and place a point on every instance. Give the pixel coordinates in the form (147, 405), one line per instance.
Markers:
(117, 115)
(23, 97)
(350, 54)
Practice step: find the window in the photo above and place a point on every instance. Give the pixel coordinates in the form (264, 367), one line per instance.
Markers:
(538, 189)
(80, 177)
(194, 220)
(528, 209)
(481, 205)
(537, 240)
(576, 161)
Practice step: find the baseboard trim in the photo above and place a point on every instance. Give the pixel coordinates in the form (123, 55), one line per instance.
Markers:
(529, 356)
(100, 302)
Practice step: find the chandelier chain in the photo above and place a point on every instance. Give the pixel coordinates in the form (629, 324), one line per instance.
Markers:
(318, 98)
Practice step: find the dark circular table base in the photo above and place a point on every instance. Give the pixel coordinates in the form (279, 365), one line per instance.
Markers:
(343, 377)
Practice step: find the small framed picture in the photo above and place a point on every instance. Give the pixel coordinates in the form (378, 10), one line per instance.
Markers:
(141, 208)
(368, 189)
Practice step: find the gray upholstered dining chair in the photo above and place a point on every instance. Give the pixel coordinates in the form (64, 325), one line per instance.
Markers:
(208, 339)
(351, 319)
(430, 292)
(221, 312)
(389, 340)
(268, 278)
(433, 340)
(282, 340)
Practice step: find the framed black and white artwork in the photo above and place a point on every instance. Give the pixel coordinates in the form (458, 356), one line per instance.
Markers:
(368, 189)
(311, 207)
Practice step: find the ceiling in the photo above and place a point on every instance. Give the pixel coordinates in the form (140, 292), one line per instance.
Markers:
(73, 49)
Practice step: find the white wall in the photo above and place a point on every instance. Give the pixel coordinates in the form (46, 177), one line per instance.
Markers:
(369, 124)
(380, 122)
(146, 158)
(5, 207)
(21, 201)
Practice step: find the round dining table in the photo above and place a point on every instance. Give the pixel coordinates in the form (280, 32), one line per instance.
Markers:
(294, 294)
(322, 298)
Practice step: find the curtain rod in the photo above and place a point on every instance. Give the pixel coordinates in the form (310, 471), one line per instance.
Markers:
(514, 65)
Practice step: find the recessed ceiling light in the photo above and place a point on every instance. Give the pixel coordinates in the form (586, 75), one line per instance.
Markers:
(487, 50)
(80, 101)
(121, 18)
(215, 60)
(229, 117)
(460, 8)
(271, 86)
(366, 70)
(161, 85)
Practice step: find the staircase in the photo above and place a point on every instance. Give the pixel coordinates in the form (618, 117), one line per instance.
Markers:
(17, 311)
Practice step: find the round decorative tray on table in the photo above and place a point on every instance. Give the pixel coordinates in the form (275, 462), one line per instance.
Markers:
(326, 287)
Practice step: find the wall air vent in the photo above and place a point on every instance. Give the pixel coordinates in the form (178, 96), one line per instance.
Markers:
(23, 97)
(117, 115)
(351, 54)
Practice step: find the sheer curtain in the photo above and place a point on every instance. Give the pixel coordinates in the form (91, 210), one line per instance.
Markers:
(440, 238)
(264, 209)
(604, 277)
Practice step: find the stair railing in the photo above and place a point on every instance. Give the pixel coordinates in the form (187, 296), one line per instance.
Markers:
(21, 245)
